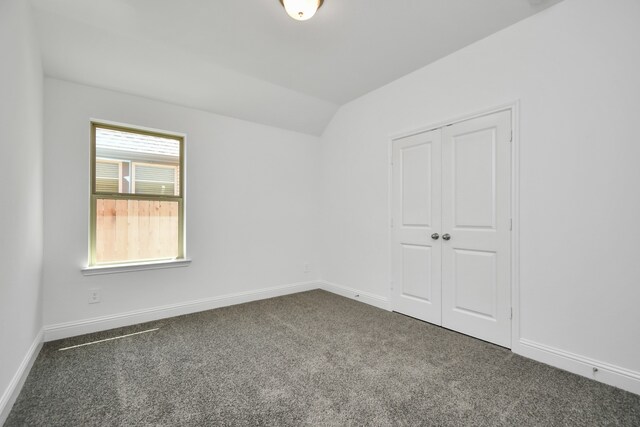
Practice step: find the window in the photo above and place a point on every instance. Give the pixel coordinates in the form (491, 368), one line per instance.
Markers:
(137, 205)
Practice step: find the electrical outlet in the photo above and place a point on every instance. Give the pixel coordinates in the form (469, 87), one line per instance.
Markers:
(94, 296)
(307, 267)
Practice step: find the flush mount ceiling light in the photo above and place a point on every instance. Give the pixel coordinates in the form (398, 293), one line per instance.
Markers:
(301, 10)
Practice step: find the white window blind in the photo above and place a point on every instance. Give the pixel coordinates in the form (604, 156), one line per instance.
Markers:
(155, 179)
(107, 176)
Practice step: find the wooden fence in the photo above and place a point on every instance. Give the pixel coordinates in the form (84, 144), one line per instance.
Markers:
(136, 230)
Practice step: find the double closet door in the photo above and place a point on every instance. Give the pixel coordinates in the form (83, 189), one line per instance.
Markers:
(451, 227)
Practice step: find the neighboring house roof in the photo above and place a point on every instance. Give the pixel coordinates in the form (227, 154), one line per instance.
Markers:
(116, 144)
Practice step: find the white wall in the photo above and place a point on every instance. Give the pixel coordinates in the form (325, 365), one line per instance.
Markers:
(21, 175)
(574, 68)
(252, 203)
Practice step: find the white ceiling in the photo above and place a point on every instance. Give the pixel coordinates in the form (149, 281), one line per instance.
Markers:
(248, 59)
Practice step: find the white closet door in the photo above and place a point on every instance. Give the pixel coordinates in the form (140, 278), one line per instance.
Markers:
(476, 215)
(416, 207)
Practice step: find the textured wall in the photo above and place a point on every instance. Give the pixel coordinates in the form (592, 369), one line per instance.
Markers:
(251, 205)
(574, 68)
(21, 177)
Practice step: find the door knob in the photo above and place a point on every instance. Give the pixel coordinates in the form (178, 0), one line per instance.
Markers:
(435, 236)
(446, 236)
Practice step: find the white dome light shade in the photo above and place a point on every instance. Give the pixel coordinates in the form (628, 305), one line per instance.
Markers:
(301, 10)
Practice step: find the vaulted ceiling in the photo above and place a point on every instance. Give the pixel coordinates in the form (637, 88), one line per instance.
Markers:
(248, 59)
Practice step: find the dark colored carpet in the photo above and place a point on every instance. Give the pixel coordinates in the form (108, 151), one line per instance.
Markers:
(312, 358)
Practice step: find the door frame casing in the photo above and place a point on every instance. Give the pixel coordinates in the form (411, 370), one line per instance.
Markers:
(514, 108)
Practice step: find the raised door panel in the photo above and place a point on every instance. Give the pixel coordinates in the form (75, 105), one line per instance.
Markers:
(475, 283)
(474, 179)
(417, 272)
(416, 184)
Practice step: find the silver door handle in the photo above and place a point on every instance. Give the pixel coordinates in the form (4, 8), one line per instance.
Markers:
(446, 236)
(435, 236)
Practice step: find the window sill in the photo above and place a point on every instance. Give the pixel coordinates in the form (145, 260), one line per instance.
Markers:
(125, 268)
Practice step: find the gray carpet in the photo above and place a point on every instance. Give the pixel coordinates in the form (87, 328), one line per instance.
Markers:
(312, 358)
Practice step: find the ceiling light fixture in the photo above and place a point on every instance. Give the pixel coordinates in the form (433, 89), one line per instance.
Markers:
(301, 10)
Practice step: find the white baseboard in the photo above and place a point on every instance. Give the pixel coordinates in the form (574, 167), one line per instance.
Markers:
(577, 364)
(71, 329)
(13, 390)
(366, 297)
(606, 373)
